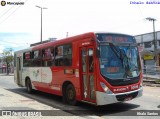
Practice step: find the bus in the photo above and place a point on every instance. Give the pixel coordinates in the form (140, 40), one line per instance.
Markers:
(99, 68)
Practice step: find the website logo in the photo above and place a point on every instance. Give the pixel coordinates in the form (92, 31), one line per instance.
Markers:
(3, 3)
(6, 113)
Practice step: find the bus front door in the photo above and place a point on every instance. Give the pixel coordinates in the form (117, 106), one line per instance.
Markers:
(19, 71)
(87, 74)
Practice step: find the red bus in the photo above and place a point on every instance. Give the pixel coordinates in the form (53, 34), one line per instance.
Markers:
(96, 68)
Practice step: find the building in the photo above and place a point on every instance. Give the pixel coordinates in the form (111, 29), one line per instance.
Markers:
(146, 42)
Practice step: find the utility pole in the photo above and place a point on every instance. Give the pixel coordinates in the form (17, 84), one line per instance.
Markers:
(154, 38)
(41, 18)
(66, 34)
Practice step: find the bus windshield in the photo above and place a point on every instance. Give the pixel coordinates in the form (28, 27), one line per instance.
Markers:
(118, 61)
(119, 57)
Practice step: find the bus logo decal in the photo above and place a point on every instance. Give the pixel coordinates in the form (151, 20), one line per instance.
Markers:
(86, 43)
(36, 73)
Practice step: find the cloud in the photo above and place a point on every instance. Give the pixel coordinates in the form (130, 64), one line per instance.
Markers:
(16, 41)
(1, 48)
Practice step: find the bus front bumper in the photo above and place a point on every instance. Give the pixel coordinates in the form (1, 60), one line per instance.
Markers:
(104, 98)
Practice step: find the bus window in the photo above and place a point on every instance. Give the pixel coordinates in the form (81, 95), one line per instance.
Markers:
(48, 57)
(63, 55)
(36, 54)
(84, 67)
(36, 62)
(91, 66)
(26, 59)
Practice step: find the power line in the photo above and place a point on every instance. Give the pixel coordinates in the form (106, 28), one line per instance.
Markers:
(8, 10)
(11, 42)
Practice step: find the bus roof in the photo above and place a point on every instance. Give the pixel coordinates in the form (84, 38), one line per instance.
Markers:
(66, 40)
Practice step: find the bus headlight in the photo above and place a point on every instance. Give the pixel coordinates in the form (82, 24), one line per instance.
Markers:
(105, 88)
(141, 84)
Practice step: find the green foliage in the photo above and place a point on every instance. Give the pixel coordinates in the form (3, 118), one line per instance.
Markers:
(7, 56)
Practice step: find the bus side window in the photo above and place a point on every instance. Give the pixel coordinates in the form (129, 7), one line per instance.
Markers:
(43, 53)
(32, 55)
(36, 58)
(26, 59)
(63, 55)
(52, 53)
(48, 57)
(91, 62)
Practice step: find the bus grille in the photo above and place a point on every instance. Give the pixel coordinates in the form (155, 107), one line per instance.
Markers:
(125, 96)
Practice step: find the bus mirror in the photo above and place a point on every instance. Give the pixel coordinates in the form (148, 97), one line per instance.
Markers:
(97, 53)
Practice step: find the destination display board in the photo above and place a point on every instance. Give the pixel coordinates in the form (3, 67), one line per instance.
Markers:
(115, 38)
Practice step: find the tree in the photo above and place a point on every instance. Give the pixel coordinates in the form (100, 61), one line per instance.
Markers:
(7, 58)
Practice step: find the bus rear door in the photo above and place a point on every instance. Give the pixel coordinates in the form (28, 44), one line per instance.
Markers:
(19, 71)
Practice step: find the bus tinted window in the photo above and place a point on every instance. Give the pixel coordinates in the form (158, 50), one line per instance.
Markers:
(91, 60)
(36, 61)
(36, 54)
(63, 55)
(27, 59)
(48, 57)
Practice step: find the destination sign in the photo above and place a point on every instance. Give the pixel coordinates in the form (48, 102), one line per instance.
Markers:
(115, 38)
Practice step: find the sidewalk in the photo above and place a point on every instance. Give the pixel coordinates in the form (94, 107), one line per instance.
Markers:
(151, 80)
(151, 76)
(13, 102)
(5, 74)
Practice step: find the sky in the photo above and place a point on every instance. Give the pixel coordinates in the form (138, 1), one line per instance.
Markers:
(20, 24)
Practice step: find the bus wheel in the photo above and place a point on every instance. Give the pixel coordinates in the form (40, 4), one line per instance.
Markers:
(70, 95)
(29, 86)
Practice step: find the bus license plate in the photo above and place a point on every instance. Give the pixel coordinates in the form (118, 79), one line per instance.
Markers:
(128, 98)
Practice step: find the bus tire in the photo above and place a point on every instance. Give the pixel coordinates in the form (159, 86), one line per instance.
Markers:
(29, 86)
(70, 95)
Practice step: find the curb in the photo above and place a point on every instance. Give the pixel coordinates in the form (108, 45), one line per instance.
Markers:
(152, 85)
(153, 78)
(6, 75)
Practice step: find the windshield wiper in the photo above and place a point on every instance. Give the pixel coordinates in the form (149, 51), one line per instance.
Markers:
(117, 51)
(122, 56)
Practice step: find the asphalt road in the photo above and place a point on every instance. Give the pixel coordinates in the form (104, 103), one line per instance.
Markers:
(150, 101)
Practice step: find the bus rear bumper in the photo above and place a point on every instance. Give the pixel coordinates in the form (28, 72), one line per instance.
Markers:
(104, 98)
